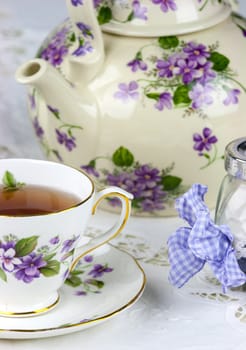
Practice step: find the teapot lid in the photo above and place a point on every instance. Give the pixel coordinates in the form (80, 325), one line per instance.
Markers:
(159, 17)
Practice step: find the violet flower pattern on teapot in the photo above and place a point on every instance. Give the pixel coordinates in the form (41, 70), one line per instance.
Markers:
(185, 74)
(182, 76)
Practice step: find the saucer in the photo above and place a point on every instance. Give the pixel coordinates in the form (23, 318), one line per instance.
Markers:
(102, 285)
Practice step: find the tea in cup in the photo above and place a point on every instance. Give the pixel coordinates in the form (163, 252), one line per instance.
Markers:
(44, 210)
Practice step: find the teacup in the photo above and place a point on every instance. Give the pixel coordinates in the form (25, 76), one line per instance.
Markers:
(37, 251)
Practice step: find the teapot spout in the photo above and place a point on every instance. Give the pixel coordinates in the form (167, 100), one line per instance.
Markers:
(41, 75)
(86, 56)
(51, 85)
(59, 105)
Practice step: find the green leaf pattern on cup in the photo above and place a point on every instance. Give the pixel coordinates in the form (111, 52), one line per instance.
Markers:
(26, 245)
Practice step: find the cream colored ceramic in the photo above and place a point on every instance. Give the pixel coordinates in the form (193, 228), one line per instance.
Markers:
(150, 104)
(37, 252)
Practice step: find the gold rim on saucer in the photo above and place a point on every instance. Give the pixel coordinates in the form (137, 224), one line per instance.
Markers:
(58, 330)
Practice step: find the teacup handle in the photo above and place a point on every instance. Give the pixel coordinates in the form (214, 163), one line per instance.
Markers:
(95, 242)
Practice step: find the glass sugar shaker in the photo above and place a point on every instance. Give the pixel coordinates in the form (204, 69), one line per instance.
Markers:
(231, 201)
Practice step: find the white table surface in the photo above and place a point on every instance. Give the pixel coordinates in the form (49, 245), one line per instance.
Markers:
(162, 318)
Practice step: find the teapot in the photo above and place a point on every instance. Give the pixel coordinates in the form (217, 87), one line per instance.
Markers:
(141, 94)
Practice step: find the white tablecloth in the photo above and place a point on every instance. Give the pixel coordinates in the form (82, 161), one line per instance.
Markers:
(163, 318)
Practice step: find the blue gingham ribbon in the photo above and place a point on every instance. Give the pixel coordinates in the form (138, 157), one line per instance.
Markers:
(189, 248)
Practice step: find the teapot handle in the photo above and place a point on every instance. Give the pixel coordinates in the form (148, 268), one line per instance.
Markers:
(87, 54)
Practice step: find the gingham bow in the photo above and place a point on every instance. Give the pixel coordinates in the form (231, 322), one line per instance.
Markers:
(189, 248)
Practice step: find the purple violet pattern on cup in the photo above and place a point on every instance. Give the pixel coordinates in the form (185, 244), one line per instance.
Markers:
(30, 267)
(55, 240)
(26, 261)
(8, 260)
(69, 244)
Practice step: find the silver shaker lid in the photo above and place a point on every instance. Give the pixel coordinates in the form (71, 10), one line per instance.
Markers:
(235, 158)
